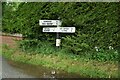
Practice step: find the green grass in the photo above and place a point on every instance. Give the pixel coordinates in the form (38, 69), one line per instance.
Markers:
(64, 61)
(6, 51)
(0, 51)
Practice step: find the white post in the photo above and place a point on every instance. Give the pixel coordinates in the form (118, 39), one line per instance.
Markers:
(58, 40)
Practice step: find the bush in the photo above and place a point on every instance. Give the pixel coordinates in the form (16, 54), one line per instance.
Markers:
(76, 44)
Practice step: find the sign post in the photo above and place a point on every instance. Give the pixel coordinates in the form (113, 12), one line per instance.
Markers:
(58, 40)
(57, 29)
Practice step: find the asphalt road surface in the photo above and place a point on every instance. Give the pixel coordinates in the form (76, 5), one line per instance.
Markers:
(11, 72)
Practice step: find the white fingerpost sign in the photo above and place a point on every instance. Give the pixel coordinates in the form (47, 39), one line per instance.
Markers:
(57, 29)
(49, 22)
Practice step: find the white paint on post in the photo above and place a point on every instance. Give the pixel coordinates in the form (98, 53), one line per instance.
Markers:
(59, 23)
(58, 42)
(57, 35)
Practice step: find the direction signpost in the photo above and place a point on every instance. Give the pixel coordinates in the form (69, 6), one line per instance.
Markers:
(57, 29)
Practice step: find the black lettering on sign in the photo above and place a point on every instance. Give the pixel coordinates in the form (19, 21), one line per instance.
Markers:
(46, 29)
(49, 23)
(61, 29)
(71, 29)
(65, 29)
(43, 23)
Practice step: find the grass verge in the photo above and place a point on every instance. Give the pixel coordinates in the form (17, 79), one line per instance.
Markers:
(69, 63)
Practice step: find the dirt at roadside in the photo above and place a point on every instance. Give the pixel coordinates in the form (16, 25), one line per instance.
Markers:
(9, 40)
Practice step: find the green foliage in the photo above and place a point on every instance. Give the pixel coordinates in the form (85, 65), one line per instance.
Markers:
(110, 55)
(43, 47)
(6, 46)
(96, 25)
(36, 46)
(9, 18)
(76, 44)
(6, 51)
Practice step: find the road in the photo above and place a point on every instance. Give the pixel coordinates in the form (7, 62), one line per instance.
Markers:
(11, 72)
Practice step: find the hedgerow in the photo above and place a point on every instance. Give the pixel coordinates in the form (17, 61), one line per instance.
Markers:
(97, 26)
